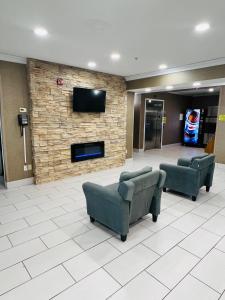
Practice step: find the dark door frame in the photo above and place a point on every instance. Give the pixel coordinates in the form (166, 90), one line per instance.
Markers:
(2, 135)
(155, 100)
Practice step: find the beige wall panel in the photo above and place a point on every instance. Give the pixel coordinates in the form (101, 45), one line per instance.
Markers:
(220, 130)
(130, 124)
(14, 96)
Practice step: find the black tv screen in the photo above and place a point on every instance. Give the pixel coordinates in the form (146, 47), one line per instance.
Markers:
(88, 100)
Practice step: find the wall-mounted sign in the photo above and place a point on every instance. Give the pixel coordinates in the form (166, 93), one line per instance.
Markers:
(222, 118)
(164, 120)
(181, 117)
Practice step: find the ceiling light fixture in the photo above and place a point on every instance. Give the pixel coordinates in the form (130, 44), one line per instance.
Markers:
(162, 67)
(211, 90)
(196, 84)
(169, 87)
(40, 31)
(148, 90)
(92, 64)
(201, 27)
(115, 56)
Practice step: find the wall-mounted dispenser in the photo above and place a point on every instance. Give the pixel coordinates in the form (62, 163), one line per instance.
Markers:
(23, 122)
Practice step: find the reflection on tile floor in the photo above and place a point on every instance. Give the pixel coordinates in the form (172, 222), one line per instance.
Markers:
(50, 250)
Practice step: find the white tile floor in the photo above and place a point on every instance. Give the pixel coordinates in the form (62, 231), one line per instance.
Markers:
(50, 250)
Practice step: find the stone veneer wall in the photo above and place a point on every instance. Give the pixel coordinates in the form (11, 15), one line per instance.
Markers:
(55, 126)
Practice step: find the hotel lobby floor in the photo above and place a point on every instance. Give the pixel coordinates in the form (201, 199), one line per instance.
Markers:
(50, 250)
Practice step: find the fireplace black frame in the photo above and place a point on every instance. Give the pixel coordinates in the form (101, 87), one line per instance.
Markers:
(86, 151)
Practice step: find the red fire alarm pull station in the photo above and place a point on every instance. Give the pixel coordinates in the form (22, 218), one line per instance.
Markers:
(59, 81)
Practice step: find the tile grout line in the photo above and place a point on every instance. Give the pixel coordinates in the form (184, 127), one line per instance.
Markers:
(79, 253)
(222, 295)
(130, 248)
(189, 273)
(67, 271)
(26, 270)
(170, 250)
(205, 283)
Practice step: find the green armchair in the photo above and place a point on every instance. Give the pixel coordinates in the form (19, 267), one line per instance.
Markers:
(190, 174)
(118, 205)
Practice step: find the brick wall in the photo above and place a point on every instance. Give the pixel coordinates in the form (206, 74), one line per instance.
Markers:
(55, 126)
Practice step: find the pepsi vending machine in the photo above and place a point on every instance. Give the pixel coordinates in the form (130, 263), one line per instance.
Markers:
(193, 127)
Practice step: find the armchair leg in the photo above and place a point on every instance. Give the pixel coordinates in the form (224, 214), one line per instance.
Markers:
(193, 198)
(154, 218)
(207, 189)
(164, 189)
(92, 219)
(123, 237)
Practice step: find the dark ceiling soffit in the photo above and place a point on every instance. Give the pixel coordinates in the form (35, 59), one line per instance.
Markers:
(184, 77)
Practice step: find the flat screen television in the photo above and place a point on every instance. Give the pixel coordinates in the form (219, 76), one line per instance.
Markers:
(88, 100)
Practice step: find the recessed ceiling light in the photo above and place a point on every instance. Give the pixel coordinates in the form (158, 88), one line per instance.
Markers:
(211, 90)
(169, 87)
(196, 84)
(201, 27)
(148, 90)
(40, 31)
(162, 67)
(92, 64)
(115, 56)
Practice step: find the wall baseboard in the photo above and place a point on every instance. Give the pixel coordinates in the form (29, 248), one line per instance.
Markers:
(171, 145)
(138, 150)
(19, 183)
(220, 166)
(129, 159)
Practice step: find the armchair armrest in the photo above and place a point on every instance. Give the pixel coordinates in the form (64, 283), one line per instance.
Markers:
(126, 190)
(181, 179)
(95, 192)
(162, 179)
(156, 200)
(107, 207)
(185, 162)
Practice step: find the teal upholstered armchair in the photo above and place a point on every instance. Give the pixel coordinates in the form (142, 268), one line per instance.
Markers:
(190, 174)
(118, 205)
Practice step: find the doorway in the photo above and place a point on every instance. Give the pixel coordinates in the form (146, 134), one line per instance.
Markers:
(153, 124)
(2, 169)
(2, 181)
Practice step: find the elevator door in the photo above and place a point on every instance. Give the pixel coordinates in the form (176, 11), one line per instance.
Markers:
(153, 129)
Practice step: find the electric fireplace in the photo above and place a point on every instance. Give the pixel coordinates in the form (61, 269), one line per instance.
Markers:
(87, 151)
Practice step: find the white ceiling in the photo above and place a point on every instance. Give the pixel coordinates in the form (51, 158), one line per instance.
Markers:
(155, 31)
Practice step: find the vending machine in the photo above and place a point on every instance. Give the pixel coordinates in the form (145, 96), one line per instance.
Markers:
(193, 127)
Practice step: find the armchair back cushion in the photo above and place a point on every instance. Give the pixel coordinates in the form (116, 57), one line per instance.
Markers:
(145, 191)
(129, 175)
(199, 156)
